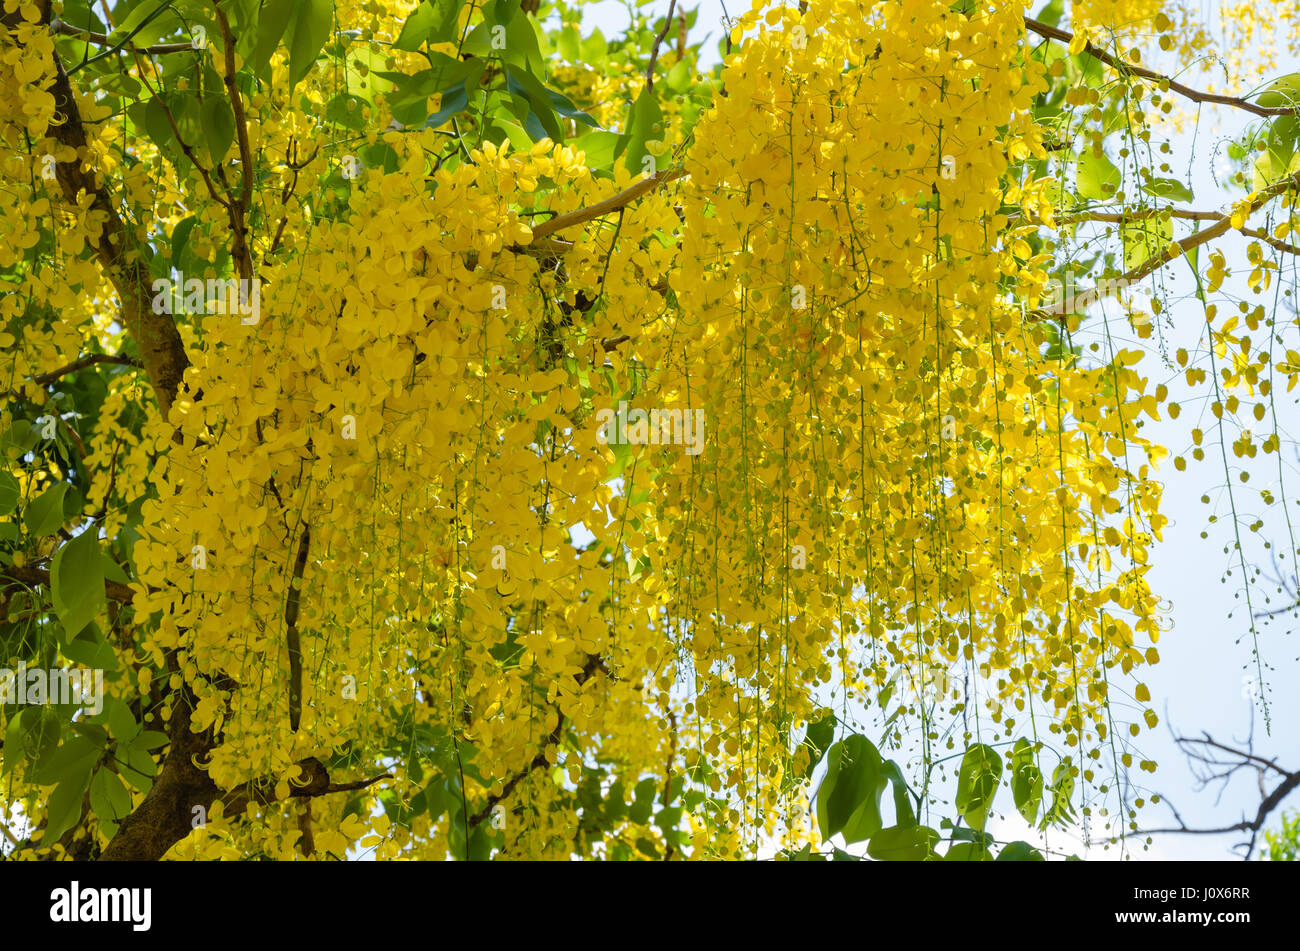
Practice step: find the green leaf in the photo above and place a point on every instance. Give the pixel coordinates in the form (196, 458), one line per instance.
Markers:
(150, 11)
(91, 650)
(1281, 92)
(140, 761)
(1026, 781)
(817, 741)
(271, 25)
(848, 801)
(1170, 188)
(306, 36)
(600, 147)
(1052, 13)
(902, 795)
(347, 110)
(417, 28)
(679, 77)
(594, 49)
(78, 582)
(977, 783)
(410, 95)
(519, 139)
(44, 514)
(1278, 159)
(137, 780)
(180, 238)
(118, 797)
(64, 807)
(120, 721)
(967, 852)
(150, 740)
(642, 119)
(643, 801)
(524, 84)
(521, 45)
(1096, 177)
(113, 571)
(569, 44)
(19, 438)
(1020, 851)
(566, 108)
(154, 120)
(1061, 812)
(10, 493)
(504, 10)
(903, 844)
(76, 754)
(669, 818)
(453, 101)
(218, 128)
(41, 731)
(108, 797)
(1145, 239)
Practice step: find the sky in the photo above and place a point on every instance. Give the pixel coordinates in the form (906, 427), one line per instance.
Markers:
(1207, 680)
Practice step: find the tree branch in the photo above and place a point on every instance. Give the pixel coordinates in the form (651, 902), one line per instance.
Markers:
(81, 363)
(239, 209)
(32, 576)
(1268, 239)
(611, 204)
(1175, 250)
(1245, 758)
(293, 640)
(539, 761)
(161, 349)
(57, 26)
(1195, 95)
(654, 49)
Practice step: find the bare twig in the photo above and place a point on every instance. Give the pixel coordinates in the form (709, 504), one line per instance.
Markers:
(1204, 750)
(654, 49)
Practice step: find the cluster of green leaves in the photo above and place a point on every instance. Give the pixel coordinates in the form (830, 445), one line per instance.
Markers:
(1086, 102)
(1269, 150)
(60, 744)
(849, 801)
(89, 759)
(438, 763)
(1283, 844)
(497, 88)
(493, 89)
